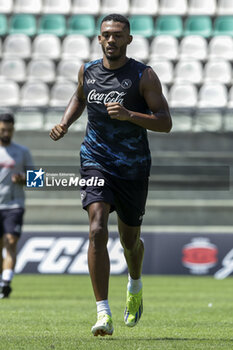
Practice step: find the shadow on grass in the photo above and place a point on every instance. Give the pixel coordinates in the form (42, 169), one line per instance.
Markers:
(45, 297)
(164, 339)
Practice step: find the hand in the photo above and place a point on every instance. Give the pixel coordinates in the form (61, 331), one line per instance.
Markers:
(58, 131)
(18, 178)
(117, 111)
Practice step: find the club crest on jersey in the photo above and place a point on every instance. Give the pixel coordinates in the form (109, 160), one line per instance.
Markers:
(83, 195)
(112, 96)
(91, 81)
(126, 83)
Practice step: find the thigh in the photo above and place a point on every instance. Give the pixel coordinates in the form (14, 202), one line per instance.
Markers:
(10, 241)
(12, 221)
(92, 192)
(130, 200)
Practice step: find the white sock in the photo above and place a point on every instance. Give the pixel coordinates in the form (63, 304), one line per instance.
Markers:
(103, 307)
(7, 275)
(134, 286)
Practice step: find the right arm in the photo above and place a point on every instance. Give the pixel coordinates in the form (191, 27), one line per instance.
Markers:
(73, 110)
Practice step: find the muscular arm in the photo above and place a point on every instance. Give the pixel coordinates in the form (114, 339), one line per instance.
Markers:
(150, 89)
(73, 111)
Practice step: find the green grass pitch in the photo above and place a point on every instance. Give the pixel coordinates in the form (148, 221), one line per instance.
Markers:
(57, 313)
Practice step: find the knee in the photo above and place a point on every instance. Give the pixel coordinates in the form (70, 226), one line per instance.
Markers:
(10, 243)
(98, 237)
(130, 242)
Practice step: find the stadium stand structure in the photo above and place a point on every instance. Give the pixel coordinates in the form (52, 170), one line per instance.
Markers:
(81, 24)
(169, 25)
(28, 6)
(164, 46)
(142, 25)
(17, 45)
(91, 7)
(23, 24)
(46, 45)
(225, 7)
(3, 25)
(120, 6)
(199, 7)
(6, 6)
(57, 6)
(42, 69)
(188, 70)
(164, 69)
(170, 7)
(169, 203)
(189, 43)
(193, 46)
(144, 7)
(52, 24)
(75, 46)
(14, 69)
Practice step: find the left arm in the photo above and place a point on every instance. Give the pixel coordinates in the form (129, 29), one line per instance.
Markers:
(20, 178)
(150, 88)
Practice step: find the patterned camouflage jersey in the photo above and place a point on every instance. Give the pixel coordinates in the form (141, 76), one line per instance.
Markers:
(117, 147)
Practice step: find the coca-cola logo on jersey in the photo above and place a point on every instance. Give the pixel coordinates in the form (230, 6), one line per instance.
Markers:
(112, 96)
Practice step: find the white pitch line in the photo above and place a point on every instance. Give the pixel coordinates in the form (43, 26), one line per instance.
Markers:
(145, 229)
(55, 202)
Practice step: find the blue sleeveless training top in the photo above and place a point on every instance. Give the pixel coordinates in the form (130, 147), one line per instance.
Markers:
(117, 147)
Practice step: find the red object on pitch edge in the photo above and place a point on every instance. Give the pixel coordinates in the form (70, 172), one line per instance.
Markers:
(199, 255)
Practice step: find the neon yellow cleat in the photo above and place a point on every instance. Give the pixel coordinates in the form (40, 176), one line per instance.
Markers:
(103, 325)
(134, 308)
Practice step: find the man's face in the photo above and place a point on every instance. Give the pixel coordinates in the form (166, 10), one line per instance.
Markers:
(114, 39)
(6, 133)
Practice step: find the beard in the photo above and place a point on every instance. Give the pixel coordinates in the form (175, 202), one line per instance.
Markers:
(113, 58)
(5, 140)
(109, 57)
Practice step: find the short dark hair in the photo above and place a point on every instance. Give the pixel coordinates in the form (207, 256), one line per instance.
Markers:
(7, 118)
(115, 17)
